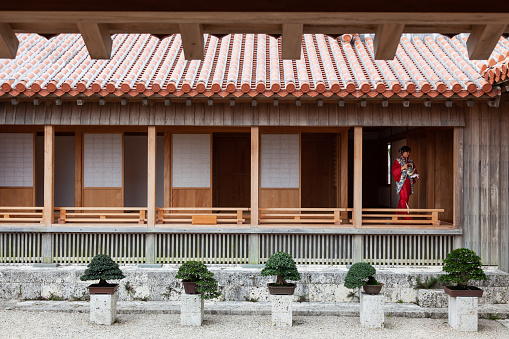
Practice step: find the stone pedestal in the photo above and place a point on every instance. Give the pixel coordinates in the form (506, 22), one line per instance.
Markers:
(372, 310)
(281, 310)
(103, 308)
(191, 310)
(463, 313)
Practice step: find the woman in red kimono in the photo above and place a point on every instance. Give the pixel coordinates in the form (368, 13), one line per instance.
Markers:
(404, 177)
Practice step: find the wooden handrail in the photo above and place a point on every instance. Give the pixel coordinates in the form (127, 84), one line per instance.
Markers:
(198, 215)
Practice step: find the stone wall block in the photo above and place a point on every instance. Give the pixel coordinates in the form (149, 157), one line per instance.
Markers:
(281, 310)
(432, 298)
(191, 310)
(463, 313)
(372, 310)
(103, 308)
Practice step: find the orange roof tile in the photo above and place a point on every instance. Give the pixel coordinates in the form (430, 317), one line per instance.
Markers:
(251, 64)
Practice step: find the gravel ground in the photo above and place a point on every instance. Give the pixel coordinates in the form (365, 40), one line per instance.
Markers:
(20, 324)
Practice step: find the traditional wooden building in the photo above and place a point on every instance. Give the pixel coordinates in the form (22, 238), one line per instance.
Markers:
(152, 158)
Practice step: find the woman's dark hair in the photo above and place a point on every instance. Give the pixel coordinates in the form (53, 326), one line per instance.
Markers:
(405, 149)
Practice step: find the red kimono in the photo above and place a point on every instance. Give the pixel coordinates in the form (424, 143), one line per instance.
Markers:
(404, 188)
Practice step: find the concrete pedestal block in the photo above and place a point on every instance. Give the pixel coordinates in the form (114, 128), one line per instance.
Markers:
(281, 310)
(372, 310)
(463, 313)
(103, 308)
(191, 310)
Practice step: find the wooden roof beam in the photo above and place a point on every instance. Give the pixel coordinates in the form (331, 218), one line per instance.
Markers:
(291, 41)
(97, 39)
(386, 42)
(8, 42)
(483, 39)
(192, 41)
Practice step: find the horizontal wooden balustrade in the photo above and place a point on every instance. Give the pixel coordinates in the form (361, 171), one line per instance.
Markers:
(303, 215)
(21, 214)
(384, 216)
(202, 215)
(136, 215)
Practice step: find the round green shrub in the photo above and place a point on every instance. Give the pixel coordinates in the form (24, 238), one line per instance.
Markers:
(102, 267)
(195, 271)
(282, 265)
(461, 266)
(360, 274)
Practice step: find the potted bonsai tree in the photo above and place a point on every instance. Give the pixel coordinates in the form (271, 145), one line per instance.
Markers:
(197, 279)
(462, 265)
(362, 274)
(102, 267)
(283, 266)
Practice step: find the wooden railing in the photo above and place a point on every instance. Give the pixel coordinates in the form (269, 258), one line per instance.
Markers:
(136, 215)
(384, 216)
(21, 214)
(304, 215)
(202, 215)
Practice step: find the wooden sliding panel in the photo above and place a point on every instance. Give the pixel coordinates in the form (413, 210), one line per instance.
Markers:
(17, 176)
(78, 168)
(280, 170)
(103, 170)
(343, 158)
(191, 170)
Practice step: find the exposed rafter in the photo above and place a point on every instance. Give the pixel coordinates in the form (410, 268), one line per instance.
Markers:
(192, 41)
(291, 41)
(97, 38)
(483, 39)
(386, 40)
(8, 42)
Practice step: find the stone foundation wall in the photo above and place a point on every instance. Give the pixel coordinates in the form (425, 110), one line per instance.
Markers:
(237, 283)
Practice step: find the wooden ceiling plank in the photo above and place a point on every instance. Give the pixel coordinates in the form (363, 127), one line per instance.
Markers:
(97, 39)
(192, 41)
(291, 42)
(386, 42)
(8, 42)
(482, 40)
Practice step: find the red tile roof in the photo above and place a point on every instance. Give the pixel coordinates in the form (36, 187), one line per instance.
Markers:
(250, 65)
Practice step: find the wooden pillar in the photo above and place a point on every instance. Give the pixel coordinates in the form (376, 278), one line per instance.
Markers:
(151, 177)
(357, 177)
(167, 169)
(255, 173)
(254, 239)
(344, 172)
(78, 168)
(458, 217)
(49, 174)
(357, 193)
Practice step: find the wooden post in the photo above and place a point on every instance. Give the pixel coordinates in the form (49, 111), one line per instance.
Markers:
(254, 239)
(255, 173)
(357, 193)
(357, 177)
(344, 172)
(150, 248)
(151, 174)
(49, 174)
(458, 200)
(167, 169)
(78, 168)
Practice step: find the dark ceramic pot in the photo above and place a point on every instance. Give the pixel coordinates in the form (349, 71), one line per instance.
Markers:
(98, 289)
(281, 290)
(372, 289)
(472, 291)
(190, 287)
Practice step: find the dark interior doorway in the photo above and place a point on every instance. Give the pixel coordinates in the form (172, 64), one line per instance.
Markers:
(231, 170)
(319, 170)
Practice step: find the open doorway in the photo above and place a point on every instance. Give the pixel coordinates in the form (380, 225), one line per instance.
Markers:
(231, 170)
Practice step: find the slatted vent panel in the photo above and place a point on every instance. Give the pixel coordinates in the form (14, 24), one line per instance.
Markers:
(208, 248)
(316, 249)
(20, 247)
(418, 250)
(80, 248)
